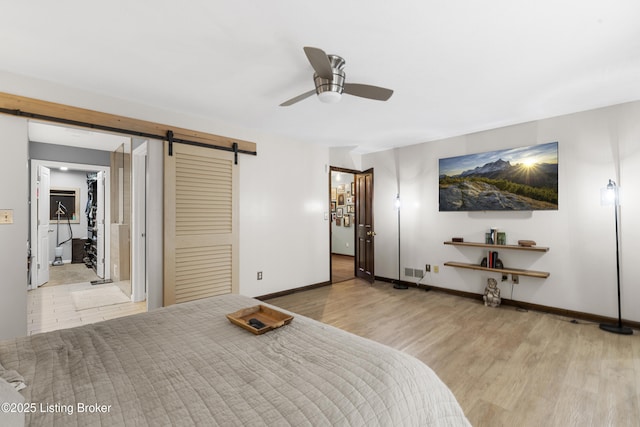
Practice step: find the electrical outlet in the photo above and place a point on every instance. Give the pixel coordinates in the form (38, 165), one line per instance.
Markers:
(436, 269)
(427, 268)
(259, 275)
(6, 216)
(515, 279)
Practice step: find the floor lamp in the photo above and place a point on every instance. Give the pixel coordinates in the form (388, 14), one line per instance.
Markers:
(610, 195)
(398, 285)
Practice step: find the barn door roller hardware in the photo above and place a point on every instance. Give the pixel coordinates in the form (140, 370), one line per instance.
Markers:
(30, 108)
(234, 147)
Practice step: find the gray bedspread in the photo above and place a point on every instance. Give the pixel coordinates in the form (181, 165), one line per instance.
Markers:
(188, 365)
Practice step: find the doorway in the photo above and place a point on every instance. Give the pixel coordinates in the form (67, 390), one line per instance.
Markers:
(71, 230)
(98, 227)
(351, 225)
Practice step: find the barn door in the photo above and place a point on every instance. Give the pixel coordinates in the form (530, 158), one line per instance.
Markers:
(200, 224)
(364, 226)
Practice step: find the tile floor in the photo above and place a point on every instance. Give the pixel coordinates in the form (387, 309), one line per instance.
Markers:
(52, 308)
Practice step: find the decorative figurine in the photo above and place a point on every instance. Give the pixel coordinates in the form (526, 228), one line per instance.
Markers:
(491, 293)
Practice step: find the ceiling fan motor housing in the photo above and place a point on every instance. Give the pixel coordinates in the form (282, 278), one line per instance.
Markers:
(336, 84)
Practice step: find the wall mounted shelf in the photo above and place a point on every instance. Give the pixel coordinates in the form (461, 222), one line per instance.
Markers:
(516, 271)
(496, 247)
(512, 271)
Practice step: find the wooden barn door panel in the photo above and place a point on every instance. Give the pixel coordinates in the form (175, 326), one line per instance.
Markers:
(201, 236)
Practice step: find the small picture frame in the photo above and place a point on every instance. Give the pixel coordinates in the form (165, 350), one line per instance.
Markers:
(349, 201)
(340, 199)
(347, 220)
(333, 206)
(502, 238)
(333, 193)
(339, 213)
(340, 188)
(353, 188)
(338, 221)
(351, 209)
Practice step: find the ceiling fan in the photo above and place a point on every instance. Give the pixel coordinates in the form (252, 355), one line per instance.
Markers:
(329, 80)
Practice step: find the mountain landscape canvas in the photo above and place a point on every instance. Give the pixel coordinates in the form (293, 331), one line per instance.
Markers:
(517, 179)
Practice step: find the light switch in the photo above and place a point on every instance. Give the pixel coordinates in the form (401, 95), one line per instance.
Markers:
(6, 216)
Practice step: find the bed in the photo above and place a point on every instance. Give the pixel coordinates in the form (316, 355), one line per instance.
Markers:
(188, 365)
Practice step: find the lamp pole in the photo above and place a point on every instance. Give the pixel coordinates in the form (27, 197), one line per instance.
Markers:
(619, 328)
(399, 285)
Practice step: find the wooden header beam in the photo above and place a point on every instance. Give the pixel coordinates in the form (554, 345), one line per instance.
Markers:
(60, 113)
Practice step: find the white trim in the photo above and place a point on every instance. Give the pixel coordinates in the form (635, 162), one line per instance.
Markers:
(139, 274)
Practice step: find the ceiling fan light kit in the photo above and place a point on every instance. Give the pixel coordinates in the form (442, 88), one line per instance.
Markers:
(329, 79)
(330, 97)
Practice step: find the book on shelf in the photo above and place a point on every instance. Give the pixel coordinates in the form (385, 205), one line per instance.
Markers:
(492, 259)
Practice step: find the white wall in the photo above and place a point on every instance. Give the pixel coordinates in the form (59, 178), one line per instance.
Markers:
(155, 224)
(580, 233)
(283, 231)
(14, 182)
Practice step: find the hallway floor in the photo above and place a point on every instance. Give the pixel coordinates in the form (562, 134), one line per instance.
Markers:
(342, 268)
(52, 308)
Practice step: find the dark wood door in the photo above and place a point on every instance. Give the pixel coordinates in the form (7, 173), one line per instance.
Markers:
(364, 226)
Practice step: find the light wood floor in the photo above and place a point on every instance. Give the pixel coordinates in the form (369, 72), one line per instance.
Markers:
(506, 367)
(342, 267)
(52, 308)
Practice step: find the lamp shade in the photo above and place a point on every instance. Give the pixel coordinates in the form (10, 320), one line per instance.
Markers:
(610, 195)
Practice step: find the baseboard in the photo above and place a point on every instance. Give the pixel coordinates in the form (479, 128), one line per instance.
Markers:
(520, 304)
(292, 291)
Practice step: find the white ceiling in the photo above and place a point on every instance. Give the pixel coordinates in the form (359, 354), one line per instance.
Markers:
(74, 137)
(456, 66)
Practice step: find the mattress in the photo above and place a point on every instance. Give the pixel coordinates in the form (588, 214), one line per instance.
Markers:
(188, 365)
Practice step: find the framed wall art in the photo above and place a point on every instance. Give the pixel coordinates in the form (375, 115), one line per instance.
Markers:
(516, 179)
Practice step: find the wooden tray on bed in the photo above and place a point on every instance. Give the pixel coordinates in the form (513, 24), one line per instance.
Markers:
(271, 318)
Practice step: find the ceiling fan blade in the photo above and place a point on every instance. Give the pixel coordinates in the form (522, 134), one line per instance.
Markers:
(298, 98)
(368, 91)
(319, 61)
